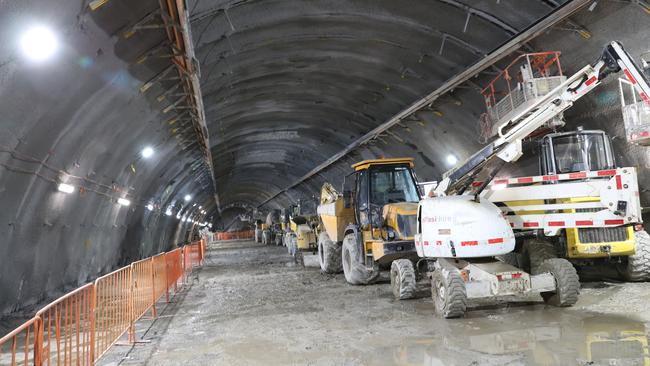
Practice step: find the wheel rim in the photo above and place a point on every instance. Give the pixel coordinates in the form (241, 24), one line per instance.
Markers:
(439, 297)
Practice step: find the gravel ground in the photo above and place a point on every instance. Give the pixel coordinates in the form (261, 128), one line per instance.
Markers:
(253, 305)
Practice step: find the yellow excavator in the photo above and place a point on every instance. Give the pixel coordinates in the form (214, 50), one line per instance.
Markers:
(372, 224)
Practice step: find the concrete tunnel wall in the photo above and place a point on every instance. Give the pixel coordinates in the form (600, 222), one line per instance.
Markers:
(285, 87)
(81, 113)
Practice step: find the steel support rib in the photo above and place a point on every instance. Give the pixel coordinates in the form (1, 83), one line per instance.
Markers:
(557, 16)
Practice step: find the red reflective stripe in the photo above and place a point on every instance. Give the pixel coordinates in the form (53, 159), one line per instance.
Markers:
(500, 181)
(584, 223)
(531, 224)
(591, 80)
(644, 96)
(516, 275)
(550, 177)
(468, 243)
(426, 242)
(577, 175)
(556, 223)
(525, 180)
(476, 184)
(615, 222)
(645, 133)
(495, 241)
(629, 76)
(604, 173)
(619, 183)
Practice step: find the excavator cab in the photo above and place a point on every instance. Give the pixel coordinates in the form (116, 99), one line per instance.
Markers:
(576, 151)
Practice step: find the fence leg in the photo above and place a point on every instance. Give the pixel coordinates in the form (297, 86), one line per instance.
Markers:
(93, 315)
(166, 276)
(38, 342)
(132, 308)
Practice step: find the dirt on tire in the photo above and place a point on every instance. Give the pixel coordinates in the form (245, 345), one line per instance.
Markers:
(402, 279)
(329, 254)
(448, 293)
(567, 283)
(638, 264)
(355, 272)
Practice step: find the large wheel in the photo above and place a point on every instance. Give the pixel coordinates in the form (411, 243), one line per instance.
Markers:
(402, 279)
(329, 254)
(638, 265)
(567, 283)
(355, 272)
(536, 251)
(449, 294)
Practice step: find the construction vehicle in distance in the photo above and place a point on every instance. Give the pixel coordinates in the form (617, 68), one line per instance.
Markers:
(301, 232)
(371, 225)
(460, 232)
(582, 206)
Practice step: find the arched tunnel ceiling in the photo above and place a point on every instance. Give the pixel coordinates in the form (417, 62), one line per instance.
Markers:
(287, 84)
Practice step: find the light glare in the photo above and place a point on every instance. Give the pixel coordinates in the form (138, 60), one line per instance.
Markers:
(147, 152)
(66, 188)
(451, 159)
(39, 43)
(150, 207)
(123, 201)
(187, 197)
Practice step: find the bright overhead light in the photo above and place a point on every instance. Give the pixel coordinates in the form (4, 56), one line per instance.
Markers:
(150, 206)
(200, 207)
(39, 43)
(187, 197)
(66, 188)
(147, 152)
(168, 212)
(123, 201)
(451, 159)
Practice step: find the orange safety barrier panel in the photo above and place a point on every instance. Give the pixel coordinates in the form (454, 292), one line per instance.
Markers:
(66, 330)
(142, 290)
(22, 343)
(113, 308)
(80, 327)
(230, 235)
(174, 261)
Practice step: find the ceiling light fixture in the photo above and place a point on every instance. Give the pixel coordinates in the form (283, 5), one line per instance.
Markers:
(147, 152)
(65, 188)
(451, 159)
(39, 43)
(187, 197)
(150, 206)
(123, 201)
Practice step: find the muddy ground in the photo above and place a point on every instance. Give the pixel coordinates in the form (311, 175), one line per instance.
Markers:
(252, 305)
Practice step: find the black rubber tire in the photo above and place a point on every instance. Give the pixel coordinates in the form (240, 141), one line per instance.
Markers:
(402, 279)
(329, 254)
(355, 272)
(448, 293)
(536, 251)
(567, 283)
(638, 265)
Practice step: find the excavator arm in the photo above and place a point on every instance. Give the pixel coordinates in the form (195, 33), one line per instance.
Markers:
(507, 147)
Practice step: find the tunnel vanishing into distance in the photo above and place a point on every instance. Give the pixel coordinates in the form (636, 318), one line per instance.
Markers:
(151, 147)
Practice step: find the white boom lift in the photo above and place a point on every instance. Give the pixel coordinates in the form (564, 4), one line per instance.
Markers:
(461, 233)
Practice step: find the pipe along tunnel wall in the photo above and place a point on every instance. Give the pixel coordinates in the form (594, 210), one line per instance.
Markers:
(327, 79)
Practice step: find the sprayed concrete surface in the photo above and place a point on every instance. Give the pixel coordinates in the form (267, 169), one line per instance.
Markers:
(252, 305)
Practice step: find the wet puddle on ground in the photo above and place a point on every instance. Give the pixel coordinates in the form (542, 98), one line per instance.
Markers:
(534, 336)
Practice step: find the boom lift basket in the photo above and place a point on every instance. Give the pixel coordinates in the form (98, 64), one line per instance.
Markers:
(636, 114)
(525, 80)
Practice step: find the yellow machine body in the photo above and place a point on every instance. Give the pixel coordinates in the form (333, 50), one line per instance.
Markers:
(599, 242)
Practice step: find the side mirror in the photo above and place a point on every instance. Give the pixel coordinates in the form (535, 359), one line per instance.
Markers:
(347, 199)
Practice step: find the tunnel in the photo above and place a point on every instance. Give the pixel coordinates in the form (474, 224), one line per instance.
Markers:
(324, 182)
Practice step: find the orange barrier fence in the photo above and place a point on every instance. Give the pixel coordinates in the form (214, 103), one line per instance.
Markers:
(231, 235)
(22, 343)
(80, 327)
(113, 308)
(66, 329)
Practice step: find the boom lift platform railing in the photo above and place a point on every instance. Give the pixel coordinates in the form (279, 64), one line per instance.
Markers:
(636, 107)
